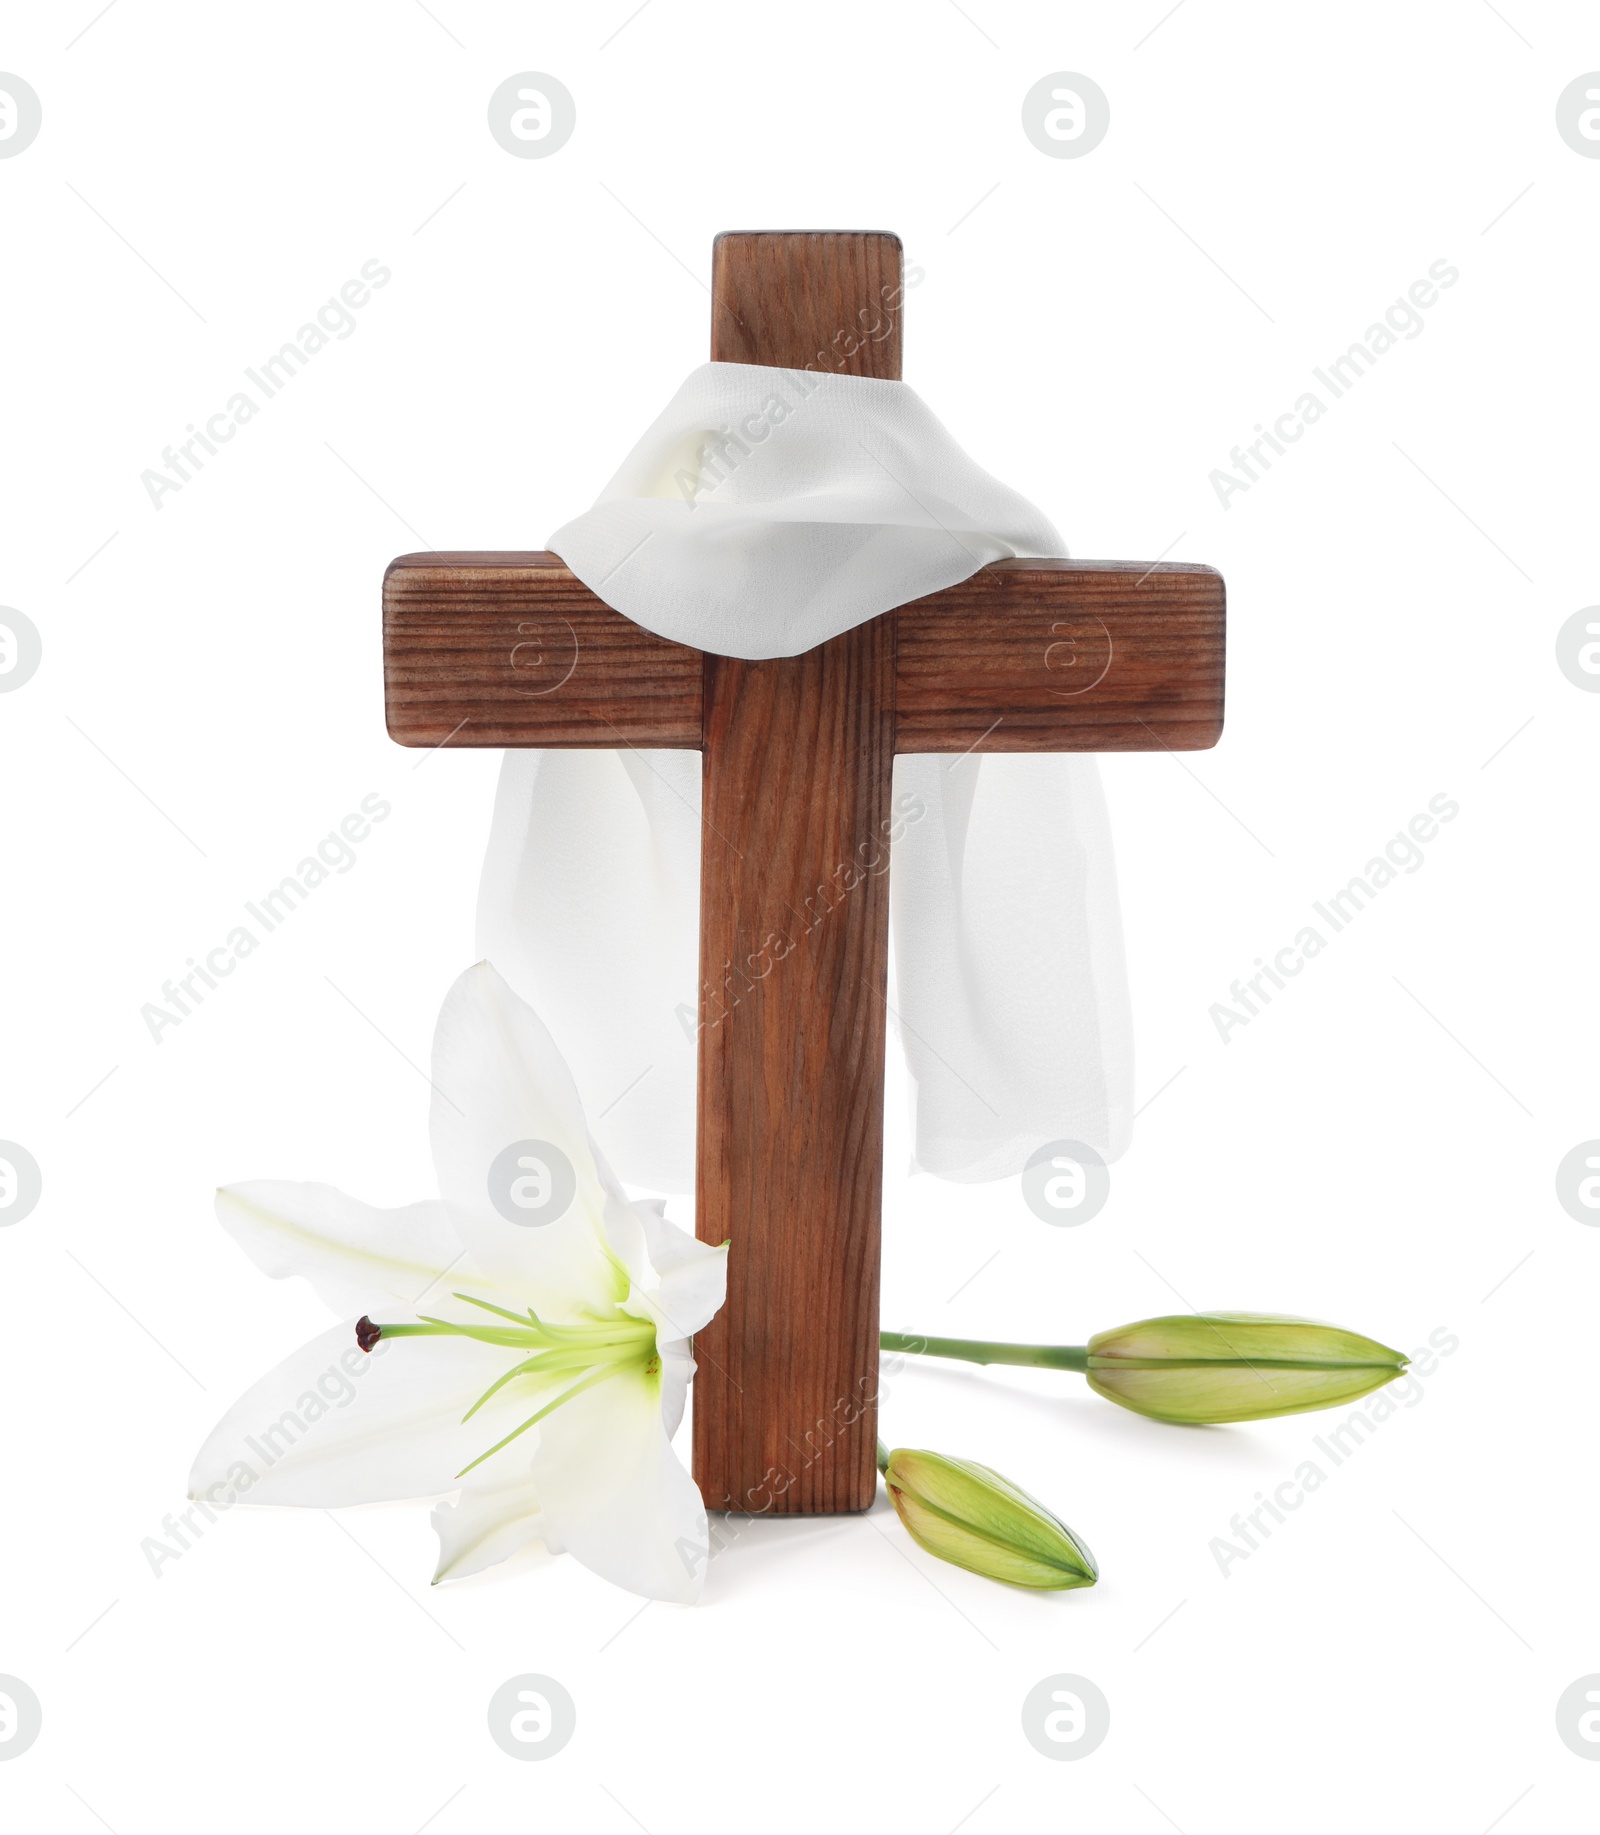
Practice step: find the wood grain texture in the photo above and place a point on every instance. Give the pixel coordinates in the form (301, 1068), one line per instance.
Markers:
(799, 756)
(794, 935)
(1097, 656)
(1063, 656)
(808, 299)
(512, 649)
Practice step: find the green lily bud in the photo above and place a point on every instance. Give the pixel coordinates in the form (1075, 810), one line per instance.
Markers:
(968, 1515)
(1213, 1367)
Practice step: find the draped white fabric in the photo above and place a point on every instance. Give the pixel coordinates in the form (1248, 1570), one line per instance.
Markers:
(763, 512)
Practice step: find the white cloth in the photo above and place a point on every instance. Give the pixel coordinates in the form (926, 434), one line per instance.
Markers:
(839, 497)
(763, 512)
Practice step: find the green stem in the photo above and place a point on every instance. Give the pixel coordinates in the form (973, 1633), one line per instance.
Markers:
(883, 1458)
(984, 1351)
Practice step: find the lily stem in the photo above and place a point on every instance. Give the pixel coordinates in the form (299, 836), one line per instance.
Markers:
(985, 1351)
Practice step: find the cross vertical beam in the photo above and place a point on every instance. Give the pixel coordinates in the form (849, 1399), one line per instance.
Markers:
(799, 755)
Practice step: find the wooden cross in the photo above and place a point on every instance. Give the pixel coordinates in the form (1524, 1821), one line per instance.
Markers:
(1026, 656)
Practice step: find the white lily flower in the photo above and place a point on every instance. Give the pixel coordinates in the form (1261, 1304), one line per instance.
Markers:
(539, 1367)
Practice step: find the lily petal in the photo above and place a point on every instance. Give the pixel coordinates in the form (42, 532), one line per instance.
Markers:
(334, 1426)
(499, 1080)
(615, 1494)
(356, 1256)
(677, 1366)
(690, 1279)
(487, 1526)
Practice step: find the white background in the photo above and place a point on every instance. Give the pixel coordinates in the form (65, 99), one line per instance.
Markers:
(1392, 1657)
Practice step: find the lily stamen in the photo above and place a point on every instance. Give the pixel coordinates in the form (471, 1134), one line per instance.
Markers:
(591, 1353)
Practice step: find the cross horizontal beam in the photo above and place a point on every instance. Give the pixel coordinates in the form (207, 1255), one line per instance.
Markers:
(1026, 656)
